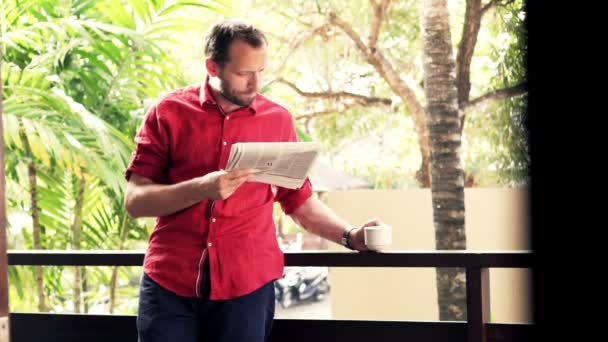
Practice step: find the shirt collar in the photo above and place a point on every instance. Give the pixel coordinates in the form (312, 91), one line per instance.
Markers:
(206, 96)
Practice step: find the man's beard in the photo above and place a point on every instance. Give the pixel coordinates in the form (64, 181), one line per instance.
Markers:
(231, 95)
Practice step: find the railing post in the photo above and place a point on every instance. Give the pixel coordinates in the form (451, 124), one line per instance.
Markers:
(478, 303)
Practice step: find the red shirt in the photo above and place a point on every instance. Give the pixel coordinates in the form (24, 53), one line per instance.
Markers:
(185, 135)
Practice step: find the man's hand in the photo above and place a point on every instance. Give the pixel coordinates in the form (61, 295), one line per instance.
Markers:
(357, 236)
(319, 219)
(219, 185)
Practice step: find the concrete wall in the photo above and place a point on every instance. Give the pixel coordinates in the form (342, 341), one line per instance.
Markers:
(496, 219)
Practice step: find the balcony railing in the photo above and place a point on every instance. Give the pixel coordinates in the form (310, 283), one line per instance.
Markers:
(91, 328)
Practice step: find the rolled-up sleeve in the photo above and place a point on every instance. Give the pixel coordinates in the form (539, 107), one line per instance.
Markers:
(150, 158)
(292, 199)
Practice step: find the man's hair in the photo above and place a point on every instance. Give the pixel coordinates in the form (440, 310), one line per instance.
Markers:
(224, 33)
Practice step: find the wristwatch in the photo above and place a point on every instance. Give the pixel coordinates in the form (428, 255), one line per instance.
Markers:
(345, 240)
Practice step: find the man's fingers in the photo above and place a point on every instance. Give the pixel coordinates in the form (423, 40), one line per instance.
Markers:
(240, 173)
(373, 222)
(231, 182)
(235, 183)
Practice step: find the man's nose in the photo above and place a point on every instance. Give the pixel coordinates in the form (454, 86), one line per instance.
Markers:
(255, 80)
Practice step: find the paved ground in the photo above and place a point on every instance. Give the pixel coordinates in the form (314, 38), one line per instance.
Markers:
(315, 310)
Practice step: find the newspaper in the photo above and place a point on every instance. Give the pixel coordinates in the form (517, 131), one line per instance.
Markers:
(284, 164)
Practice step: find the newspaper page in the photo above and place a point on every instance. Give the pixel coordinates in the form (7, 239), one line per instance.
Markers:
(285, 164)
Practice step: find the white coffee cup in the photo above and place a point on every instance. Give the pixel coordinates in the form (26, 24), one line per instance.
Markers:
(378, 238)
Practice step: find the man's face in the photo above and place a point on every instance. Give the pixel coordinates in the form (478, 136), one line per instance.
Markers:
(241, 76)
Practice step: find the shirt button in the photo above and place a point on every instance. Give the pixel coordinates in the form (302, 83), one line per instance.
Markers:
(227, 118)
(225, 143)
(210, 244)
(213, 219)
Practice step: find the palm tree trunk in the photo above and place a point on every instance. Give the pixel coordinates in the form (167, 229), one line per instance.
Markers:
(76, 237)
(34, 211)
(85, 289)
(447, 185)
(114, 283)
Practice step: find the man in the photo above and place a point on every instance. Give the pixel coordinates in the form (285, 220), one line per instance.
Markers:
(213, 254)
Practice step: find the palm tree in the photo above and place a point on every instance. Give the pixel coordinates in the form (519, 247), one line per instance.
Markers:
(447, 186)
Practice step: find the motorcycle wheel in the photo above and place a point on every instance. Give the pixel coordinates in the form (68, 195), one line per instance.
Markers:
(321, 291)
(286, 301)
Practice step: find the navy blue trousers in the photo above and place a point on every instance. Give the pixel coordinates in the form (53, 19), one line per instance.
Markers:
(166, 317)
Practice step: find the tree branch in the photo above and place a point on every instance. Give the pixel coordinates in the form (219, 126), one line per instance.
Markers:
(295, 44)
(489, 5)
(379, 12)
(337, 95)
(283, 40)
(492, 4)
(391, 76)
(350, 32)
(297, 17)
(505, 93)
(470, 30)
(309, 116)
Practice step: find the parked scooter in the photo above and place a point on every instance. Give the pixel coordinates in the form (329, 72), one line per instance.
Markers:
(300, 284)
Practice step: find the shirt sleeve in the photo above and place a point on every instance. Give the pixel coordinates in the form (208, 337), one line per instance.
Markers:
(292, 199)
(150, 158)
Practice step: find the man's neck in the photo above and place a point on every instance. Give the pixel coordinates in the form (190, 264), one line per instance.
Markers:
(226, 105)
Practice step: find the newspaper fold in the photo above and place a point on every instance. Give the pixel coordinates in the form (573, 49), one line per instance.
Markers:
(284, 164)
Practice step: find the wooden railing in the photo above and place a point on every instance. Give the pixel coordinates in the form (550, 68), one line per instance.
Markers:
(86, 327)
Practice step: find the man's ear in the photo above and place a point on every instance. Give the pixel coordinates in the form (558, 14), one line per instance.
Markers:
(212, 68)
